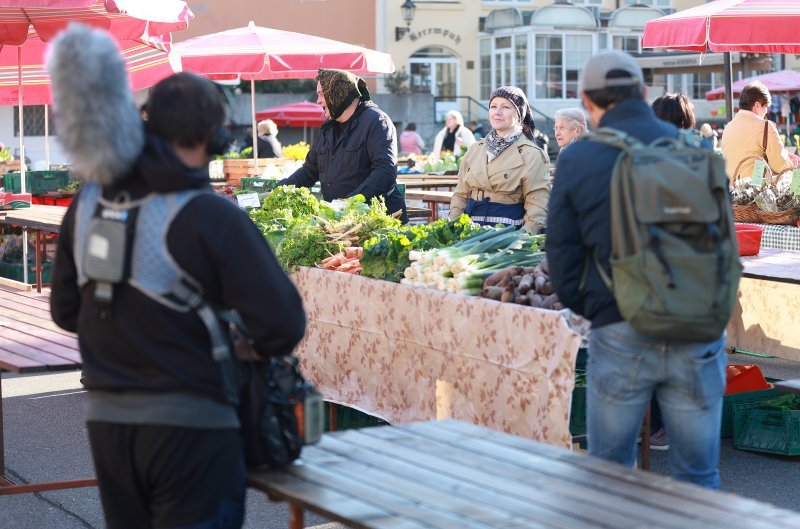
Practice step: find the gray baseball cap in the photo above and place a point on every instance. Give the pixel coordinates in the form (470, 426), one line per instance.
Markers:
(597, 68)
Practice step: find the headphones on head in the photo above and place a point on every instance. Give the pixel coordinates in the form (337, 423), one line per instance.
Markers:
(219, 141)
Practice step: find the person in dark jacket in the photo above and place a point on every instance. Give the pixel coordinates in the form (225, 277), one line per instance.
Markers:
(163, 431)
(267, 140)
(355, 152)
(625, 367)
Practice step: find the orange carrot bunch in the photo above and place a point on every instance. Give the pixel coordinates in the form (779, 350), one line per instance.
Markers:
(347, 261)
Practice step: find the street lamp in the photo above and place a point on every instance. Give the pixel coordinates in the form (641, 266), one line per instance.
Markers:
(407, 8)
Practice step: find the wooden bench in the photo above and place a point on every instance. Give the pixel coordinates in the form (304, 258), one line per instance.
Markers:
(31, 342)
(41, 220)
(450, 474)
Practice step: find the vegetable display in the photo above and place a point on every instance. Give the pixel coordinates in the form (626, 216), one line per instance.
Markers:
(523, 285)
(348, 261)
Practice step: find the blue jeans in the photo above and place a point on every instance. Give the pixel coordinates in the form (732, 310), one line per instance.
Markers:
(626, 368)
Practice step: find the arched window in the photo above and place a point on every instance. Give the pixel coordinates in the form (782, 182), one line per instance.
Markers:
(434, 70)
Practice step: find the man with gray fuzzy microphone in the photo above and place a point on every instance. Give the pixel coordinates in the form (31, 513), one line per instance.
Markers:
(145, 252)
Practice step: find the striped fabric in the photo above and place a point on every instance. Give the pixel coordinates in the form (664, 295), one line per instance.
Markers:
(146, 63)
(497, 220)
(141, 17)
(758, 26)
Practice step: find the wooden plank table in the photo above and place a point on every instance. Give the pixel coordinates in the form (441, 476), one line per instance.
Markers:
(431, 198)
(29, 342)
(451, 474)
(41, 220)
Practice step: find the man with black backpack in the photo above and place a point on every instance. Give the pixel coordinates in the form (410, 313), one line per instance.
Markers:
(641, 242)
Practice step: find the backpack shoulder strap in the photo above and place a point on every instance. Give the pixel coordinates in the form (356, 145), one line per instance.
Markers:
(612, 137)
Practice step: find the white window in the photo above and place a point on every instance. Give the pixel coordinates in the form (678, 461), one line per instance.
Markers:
(628, 43)
(33, 120)
(503, 61)
(559, 59)
(661, 4)
(587, 2)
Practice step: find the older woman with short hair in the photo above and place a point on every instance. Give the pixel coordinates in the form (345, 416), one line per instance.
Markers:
(570, 124)
(453, 135)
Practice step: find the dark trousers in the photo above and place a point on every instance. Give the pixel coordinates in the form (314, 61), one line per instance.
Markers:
(168, 477)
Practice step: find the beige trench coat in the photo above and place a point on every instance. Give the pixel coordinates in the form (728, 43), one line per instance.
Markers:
(517, 176)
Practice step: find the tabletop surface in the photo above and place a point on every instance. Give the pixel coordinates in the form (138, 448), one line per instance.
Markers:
(45, 218)
(29, 339)
(450, 474)
(773, 264)
(431, 196)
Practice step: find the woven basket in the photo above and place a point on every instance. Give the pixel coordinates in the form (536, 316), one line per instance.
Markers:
(749, 213)
(789, 216)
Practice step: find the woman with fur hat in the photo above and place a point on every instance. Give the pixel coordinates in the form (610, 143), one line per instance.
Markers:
(503, 177)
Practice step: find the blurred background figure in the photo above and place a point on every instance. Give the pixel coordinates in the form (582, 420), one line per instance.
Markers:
(268, 144)
(477, 129)
(570, 123)
(678, 110)
(710, 135)
(453, 135)
(411, 141)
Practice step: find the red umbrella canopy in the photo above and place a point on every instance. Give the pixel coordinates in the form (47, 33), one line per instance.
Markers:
(146, 64)
(294, 115)
(785, 81)
(756, 26)
(264, 53)
(124, 19)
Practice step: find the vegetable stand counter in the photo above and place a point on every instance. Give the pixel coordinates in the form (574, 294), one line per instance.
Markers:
(766, 314)
(410, 354)
(40, 219)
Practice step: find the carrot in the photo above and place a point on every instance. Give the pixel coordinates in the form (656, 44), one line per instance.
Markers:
(353, 251)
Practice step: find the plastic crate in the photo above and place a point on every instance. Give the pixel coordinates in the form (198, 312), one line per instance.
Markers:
(741, 378)
(739, 402)
(348, 418)
(37, 182)
(577, 414)
(260, 185)
(771, 431)
(14, 272)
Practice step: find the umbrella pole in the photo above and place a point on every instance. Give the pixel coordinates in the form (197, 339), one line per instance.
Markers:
(728, 86)
(22, 165)
(253, 115)
(46, 138)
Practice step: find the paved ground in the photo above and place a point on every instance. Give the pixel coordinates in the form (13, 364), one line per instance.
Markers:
(46, 440)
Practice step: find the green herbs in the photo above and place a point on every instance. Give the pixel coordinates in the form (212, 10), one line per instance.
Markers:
(284, 204)
(305, 244)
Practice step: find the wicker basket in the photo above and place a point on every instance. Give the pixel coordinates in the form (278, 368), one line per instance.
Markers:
(749, 213)
(789, 216)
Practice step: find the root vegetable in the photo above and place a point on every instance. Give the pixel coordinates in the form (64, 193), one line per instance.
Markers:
(549, 301)
(525, 284)
(492, 292)
(545, 266)
(539, 283)
(509, 295)
(547, 288)
(521, 300)
(502, 276)
(516, 279)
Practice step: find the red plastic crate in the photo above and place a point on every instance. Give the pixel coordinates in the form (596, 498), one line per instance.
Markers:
(742, 378)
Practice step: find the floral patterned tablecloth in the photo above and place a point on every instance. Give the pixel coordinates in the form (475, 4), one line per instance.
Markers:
(414, 354)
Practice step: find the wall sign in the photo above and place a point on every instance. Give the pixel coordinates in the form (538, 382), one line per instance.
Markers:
(435, 31)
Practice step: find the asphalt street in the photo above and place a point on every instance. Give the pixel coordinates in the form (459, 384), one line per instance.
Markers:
(46, 440)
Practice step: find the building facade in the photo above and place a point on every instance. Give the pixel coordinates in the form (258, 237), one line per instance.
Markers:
(459, 50)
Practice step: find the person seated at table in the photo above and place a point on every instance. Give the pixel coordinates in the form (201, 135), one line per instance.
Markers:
(410, 140)
(503, 177)
(570, 123)
(267, 140)
(749, 136)
(452, 136)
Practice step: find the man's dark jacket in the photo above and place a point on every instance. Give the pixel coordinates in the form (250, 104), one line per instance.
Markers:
(360, 159)
(146, 346)
(579, 216)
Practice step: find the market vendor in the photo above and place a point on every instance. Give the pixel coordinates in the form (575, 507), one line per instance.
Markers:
(749, 136)
(503, 177)
(355, 151)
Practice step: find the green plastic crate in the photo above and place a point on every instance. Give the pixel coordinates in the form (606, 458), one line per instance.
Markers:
(742, 401)
(14, 272)
(771, 431)
(577, 414)
(260, 185)
(36, 182)
(348, 418)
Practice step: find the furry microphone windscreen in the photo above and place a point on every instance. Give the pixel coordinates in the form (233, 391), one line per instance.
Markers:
(99, 126)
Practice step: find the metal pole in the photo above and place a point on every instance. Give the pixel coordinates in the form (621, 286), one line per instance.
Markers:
(47, 137)
(255, 132)
(728, 86)
(22, 165)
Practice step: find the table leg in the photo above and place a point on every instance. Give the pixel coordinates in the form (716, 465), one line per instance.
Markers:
(434, 207)
(333, 417)
(2, 438)
(295, 517)
(39, 251)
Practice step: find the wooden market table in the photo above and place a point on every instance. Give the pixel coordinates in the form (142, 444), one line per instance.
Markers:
(450, 474)
(766, 314)
(431, 199)
(31, 342)
(41, 220)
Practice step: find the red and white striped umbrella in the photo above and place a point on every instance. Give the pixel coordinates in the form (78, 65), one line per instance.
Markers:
(147, 65)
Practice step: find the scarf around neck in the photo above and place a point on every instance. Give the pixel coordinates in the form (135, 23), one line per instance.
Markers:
(495, 145)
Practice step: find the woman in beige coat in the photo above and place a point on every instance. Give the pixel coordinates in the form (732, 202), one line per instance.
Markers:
(503, 177)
